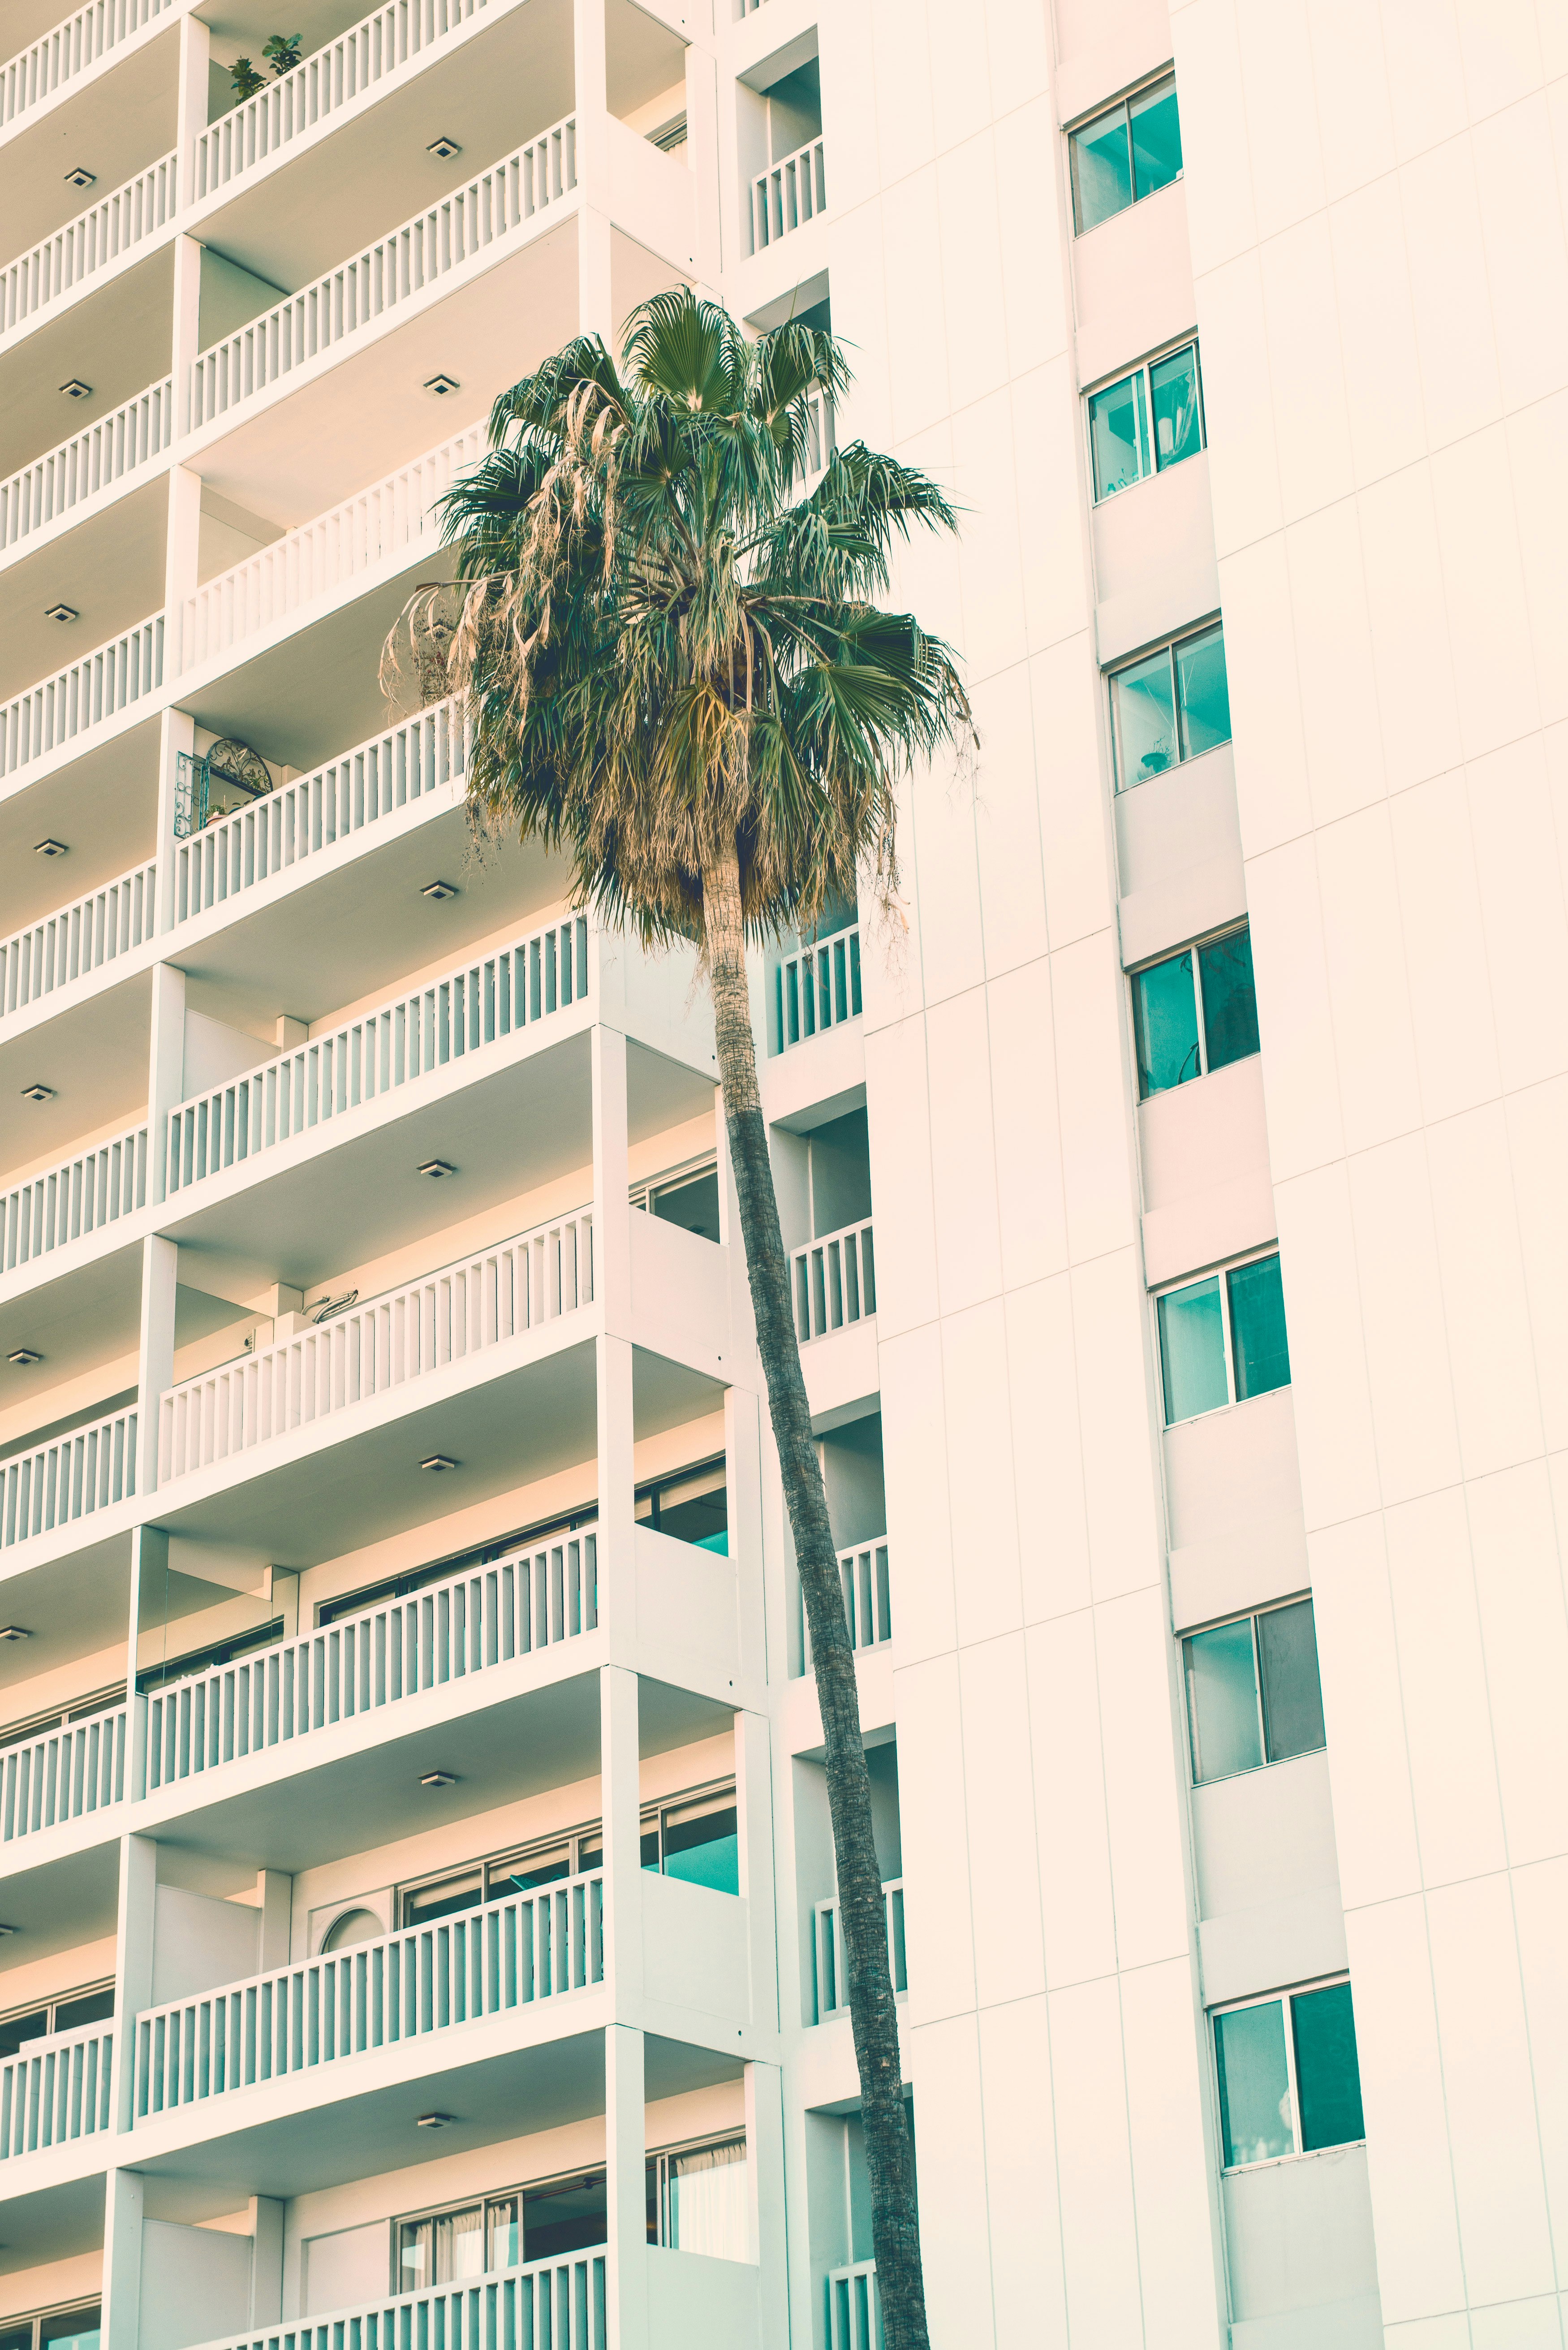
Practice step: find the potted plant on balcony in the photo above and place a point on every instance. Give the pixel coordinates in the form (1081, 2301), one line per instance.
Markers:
(676, 672)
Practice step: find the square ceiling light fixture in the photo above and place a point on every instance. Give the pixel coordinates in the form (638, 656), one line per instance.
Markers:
(24, 1358)
(14, 1632)
(78, 176)
(439, 387)
(437, 892)
(438, 1779)
(62, 613)
(50, 848)
(37, 1093)
(443, 149)
(436, 1169)
(76, 389)
(438, 1462)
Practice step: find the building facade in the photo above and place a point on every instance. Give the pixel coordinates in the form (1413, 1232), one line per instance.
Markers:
(395, 1588)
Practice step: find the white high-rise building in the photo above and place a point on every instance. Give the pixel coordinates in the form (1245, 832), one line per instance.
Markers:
(395, 1589)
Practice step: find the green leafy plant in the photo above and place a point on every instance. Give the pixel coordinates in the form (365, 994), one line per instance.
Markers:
(244, 78)
(282, 53)
(676, 674)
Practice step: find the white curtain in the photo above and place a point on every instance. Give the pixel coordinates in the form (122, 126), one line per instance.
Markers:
(709, 2202)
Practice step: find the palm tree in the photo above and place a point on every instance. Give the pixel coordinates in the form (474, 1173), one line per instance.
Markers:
(675, 673)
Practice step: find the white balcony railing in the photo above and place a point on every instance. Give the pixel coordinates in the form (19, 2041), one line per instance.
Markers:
(56, 2089)
(368, 1350)
(406, 1986)
(867, 1596)
(36, 75)
(818, 987)
(369, 528)
(322, 84)
(93, 459)
(832, 1976)
(80, 938)
(62, 1775)
(534, 1598)
(835, 1282)
(124, 218)
(386, 274)
(81, 1195)
(98, 686)
(557, 2304)
(473, 1006)
(300, 819)
(52, 1484)
(854, 2310)
(788, 194)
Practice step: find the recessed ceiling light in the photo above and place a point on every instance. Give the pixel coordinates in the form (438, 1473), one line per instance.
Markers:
(439, 1461)
(438, 1779)
(8, 1929)
(37, 1093)
(437, 892)
(441, 384)
(50, 848)
(23, 1357)
(436, 2121)
(62, 613)
(81, 176)
(443, 149)
(435, 1168)
(14, 1632)
(76, 388)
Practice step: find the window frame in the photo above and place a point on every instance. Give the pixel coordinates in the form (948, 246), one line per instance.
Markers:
(1213, 625)
(1284, 1999)
(651, 1818)
(658, 2160)
(1144, 367)
(580, 2174)
(1194, 948)
(575, 1837)
(38, 2318)
(1102, 112)
(1251, 1615)
(1221, 1272)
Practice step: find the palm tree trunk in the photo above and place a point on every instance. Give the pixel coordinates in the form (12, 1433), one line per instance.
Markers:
(873, 2017)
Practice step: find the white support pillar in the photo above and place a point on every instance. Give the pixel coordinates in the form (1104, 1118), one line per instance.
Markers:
(267, 2259)
(133, 1973)
(765, 2148)
(176, 740)
(276, 1905)
(743, 1479)
(626, 2158)
(122, 2216)
(620, 1800)
(160, 1275)
(148, 1598)
(612, 1215)
(166, 1070)
(181, 553)
(754, 1821)
(612, 1302)
(594, 302)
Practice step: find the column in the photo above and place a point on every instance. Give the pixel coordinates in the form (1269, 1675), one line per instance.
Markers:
(133, 1972)
(166, 1070)
(159, 1271)
(620, 1796)
(122, 2216)
(612, 1305)
(754, 1821)
(626, 2161)
(766, 2148)
(594, 302)
(176, 741)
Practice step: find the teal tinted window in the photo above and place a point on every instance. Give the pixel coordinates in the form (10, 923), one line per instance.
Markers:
(1102, 168)
(1177, 415)
(1222, 1702)
(1192, 1350)
(1229, 1002)
(1156, 139)
(1118, 435)
(1328, 2078)
(1293, 1694)
(1202, 692)
(701, 1847)
(1164, 1023)
(1258, 1345)
(1255, 2085)
(1144, 712)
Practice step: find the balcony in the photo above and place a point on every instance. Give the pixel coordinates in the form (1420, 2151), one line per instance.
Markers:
(557, 2304)
(787, 195)
(832, 1980)
(101, 457)
(71, 50)
(834, 1282)
(817, 988)
(868, 1598)
(69, 1202)
(854, 2311)
(54, 1484)
(56, 2089)
(87, 695)
(62, 1775)
(89, 246)
(77, 939)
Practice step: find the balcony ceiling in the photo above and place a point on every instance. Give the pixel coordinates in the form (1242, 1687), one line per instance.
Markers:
(115, 124)
(116, 337)
(60, 1904)
(52, 2224)
(109, 570)
(104, 806)
(94, 1056)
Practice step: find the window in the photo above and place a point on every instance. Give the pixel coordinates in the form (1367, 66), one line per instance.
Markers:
(548, 1862)
(1125, 153)
(1122, 447)
(1289, 2082)
(80, 2006)
(499, 2231)
(1222, 1339)
(1194, 1013)
(1171, 705)
(686, 1196)
(20, 1733)
(697, 1840)
(694, 1507)
(1252, 1692)
(206, 1660)
(54, 2329)
(401, 1587)
(699, 2200)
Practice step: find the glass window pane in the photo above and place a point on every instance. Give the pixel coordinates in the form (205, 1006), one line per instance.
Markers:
(1118, 435)
(701, 1846)
(91, 2007)
(709, 2202)
(72, 2329)
(1258, 1328)
(1293, 1694)
(1328, 2078)
(1164, 1025)
(545, 1865)
(1254, 2087)
(1177, 419)
(1145, 719)
(18, 2337)
(453, 1892)
(17, 2030)
(459, 2244)
(1156, 139)
(693, 1204)
(1222, 1701)
(1192, 1351)
(414, 2255)
(1102, 170)
(504, 2246)
(1202, 691)
(564, 2216)
(1229, 999)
